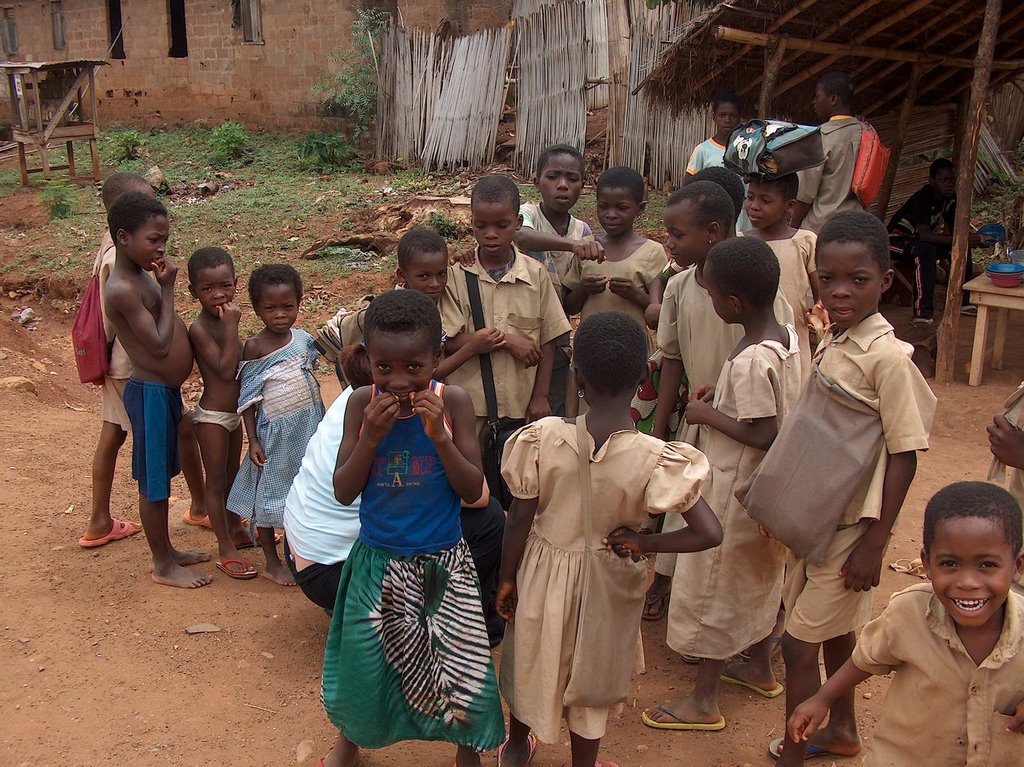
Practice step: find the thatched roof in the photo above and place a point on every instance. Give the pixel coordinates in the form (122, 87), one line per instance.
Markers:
(723, 48)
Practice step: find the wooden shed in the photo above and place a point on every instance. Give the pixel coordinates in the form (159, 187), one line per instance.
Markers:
(905, 56)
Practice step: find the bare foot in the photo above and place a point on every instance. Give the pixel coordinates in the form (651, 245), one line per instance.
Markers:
(835, 742)
(278, 573)
(176, 575)
(465, 757)
(186, 558)
(685, 710)
(344, 754)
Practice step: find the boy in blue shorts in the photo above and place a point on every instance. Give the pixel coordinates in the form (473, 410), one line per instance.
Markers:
(142, 314)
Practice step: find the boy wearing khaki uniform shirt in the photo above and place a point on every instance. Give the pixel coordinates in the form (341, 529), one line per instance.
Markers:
(829, 187)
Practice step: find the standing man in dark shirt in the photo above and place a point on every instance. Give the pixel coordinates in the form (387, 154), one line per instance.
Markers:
(922, 231)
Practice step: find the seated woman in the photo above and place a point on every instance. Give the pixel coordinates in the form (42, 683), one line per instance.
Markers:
(320, 531)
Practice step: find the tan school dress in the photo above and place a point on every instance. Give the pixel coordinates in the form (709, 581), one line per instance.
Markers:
(726, 599)
(541, 462)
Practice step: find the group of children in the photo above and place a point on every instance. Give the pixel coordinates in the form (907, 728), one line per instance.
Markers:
(485, 350)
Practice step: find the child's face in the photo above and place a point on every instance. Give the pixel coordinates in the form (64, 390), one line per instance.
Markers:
(850, 281)
(688, 240)
(726, 117)
(214, 286)
(426, 273)
(146, 244)
(617, 210)
(401, 364)
(278, 307)
(494, 226)
(560, 182)
(765, 205)
(971, 567)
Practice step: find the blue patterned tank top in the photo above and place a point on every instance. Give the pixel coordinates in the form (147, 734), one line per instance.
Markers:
(408, 507)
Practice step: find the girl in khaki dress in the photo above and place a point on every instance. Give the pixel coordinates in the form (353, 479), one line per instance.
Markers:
(725, 601)
(571, 603)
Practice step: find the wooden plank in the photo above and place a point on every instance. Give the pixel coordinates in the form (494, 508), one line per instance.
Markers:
(771, 75)
(978, 350)
(950, 325)
(1002, 317)
(59, 113)
(618, 73)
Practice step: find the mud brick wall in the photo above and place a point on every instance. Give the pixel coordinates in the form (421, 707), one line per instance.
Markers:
(268, 85)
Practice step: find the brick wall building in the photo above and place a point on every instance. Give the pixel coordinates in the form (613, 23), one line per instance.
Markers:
(180, 60)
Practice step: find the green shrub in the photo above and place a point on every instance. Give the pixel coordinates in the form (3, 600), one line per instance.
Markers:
(124, 146)
(58, 196)
(351, 90)
(326, 153)
(229, 145)
(448, 228)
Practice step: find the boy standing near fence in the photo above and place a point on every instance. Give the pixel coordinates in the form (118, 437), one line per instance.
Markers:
(517, 298)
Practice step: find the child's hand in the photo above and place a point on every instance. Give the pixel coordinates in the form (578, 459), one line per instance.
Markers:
(765, 533)
(699, 408)
(466, 257)
(523, 349)
(505, 600)
(164, 271)
(379, 416)
(256, 454)
(817, 319)
(1017, 722)
(589, 251)
(806, 718)
(594, 283)
(229, 313)
(625, 542)
(1006, 442)
(486, 340)
(624, 287)
(863, 568)
(703, 393)
(537, 408)
(430, 409)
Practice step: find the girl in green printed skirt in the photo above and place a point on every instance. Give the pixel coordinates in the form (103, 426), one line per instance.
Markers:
(407, 656)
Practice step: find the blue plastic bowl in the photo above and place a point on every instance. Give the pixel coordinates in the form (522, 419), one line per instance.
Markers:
(992, 233)
(1006, 269)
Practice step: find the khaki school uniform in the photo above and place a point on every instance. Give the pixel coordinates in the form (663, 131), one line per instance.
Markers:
(874, 367)
(352, 327)
(941, 709)
(643, 267)
(541, 461)
(727, 598)
(689, 330)
(556, 262)
(796, 264)
(523, 303)
(828, 187)
(119, 369)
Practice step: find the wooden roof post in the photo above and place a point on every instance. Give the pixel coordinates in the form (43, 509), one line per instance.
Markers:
(950, 325)
(771, 76)
(885, 194)
(618, 73)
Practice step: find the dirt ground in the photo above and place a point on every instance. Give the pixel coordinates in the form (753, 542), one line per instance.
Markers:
(98, 669)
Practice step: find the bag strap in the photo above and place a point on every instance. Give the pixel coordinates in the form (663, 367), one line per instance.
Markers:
(586, 499)
(486, 370)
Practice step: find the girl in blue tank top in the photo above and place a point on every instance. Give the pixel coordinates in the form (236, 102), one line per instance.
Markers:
(407, 655)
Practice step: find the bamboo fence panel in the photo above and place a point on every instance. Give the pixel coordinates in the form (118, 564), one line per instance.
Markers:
(1008, 111)
(552, 81)
(412, 64)
(465, 120)
(654, 142)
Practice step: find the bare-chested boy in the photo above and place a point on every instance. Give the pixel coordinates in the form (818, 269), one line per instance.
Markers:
(142, 314)
(214, 337)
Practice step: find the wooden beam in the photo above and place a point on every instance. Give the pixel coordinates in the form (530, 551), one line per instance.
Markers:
(823, 35)
(771, 74)
(885, 194)
(785, 18)
(950, 325)
(80, 81)
(867, 34)
(733, 35)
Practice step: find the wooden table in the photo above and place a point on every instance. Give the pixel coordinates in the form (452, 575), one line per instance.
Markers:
(987, 296)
